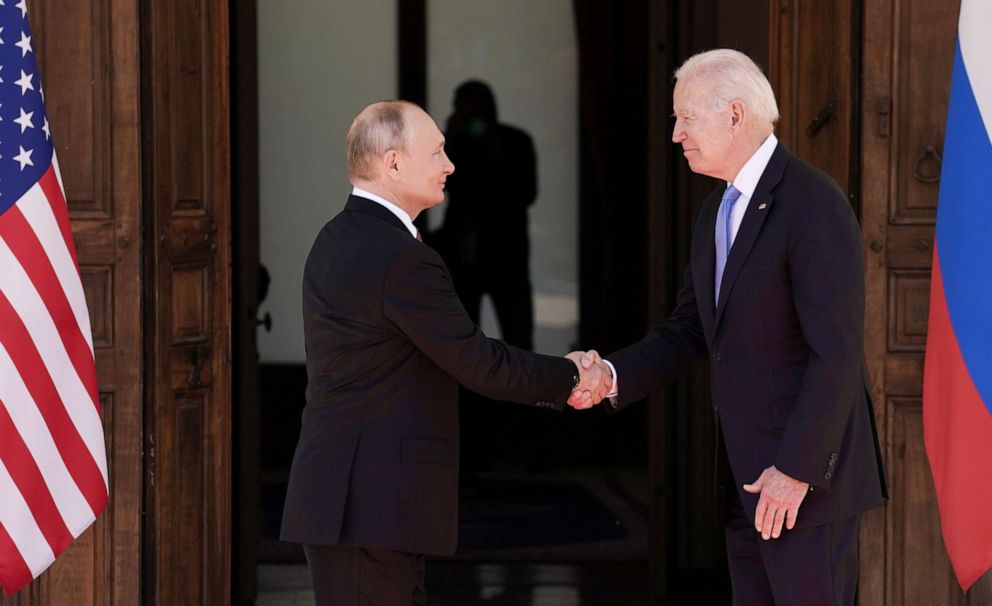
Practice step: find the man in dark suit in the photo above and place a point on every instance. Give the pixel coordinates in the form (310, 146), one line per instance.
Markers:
(373, 484)
(773, 297)
(484, 236)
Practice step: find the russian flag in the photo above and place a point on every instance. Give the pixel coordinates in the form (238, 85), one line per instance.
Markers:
(957, 383)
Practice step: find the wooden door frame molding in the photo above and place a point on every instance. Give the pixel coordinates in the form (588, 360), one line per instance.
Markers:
(246, 404)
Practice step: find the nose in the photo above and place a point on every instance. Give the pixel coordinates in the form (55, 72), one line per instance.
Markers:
(449, 167)
(678, 133)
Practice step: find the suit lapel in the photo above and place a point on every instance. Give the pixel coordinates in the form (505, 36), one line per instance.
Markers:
(754, 218)
(704, 261)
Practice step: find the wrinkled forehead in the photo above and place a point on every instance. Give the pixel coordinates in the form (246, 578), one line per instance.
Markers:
(689, 95)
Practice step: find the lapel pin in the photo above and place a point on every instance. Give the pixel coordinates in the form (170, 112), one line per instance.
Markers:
(763, 206)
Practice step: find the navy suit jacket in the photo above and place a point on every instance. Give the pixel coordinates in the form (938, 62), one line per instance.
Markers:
(388, 342)
(785, 342)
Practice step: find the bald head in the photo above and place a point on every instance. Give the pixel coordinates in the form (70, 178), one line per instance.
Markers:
(377, 129)
(395, 150)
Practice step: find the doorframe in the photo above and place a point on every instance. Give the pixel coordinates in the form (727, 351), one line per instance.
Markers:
(246, 404)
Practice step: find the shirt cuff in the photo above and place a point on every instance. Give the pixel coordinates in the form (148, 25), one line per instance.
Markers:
(615, 390)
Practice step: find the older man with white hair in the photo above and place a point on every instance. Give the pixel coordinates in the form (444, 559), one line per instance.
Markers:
(773, 298)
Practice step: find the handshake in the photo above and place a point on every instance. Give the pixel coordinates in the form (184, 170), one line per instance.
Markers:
(595, 379)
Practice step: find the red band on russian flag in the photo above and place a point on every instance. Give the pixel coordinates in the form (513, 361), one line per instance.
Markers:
(958, 435)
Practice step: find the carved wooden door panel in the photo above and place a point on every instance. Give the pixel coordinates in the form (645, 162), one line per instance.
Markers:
(863, 88)
(811, 68)
(88, 58)
(188, 428)
(908, 52)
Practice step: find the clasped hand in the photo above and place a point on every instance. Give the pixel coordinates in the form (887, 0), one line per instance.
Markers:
(595, 379)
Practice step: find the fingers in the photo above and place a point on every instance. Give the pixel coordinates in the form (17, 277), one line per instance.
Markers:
(790, 518)
(768, 522)
(781, 497)
(759, 514)
(777, 522)
(581, 400)
(595, 379)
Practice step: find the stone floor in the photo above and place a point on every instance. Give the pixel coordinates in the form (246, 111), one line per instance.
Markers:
(584, 566)
(466, 584)
(454, 583)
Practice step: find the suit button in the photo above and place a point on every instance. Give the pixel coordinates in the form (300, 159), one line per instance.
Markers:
(827, 475)
(717, 357)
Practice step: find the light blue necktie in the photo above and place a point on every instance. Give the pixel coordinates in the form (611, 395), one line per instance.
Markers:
(724, 231)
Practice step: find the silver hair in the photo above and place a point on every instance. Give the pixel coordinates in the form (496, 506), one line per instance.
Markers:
(377, 129)
(730, 75)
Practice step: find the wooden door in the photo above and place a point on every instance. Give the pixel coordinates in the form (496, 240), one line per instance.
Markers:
(187, 285)
(863, 88)
(811, 68)
(908, 54)
(88, 58)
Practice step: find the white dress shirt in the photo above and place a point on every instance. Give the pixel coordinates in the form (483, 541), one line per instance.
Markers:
(396, 210)
(746, 181)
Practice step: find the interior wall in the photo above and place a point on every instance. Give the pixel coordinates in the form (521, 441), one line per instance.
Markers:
(528, 54)
(319, 63)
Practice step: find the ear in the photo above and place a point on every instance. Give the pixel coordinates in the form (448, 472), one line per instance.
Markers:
(737, 113)
(391, 164)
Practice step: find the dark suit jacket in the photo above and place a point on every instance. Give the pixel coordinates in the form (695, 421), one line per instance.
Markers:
(785, 342)
(387, 344)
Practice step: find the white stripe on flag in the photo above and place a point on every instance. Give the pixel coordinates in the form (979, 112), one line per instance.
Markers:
(31, 426)
(20, 525)
(975, 37)
(58, 173)
(28, 305)
(38, 213)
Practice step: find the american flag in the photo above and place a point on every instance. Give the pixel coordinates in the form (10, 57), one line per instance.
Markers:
(53, 464)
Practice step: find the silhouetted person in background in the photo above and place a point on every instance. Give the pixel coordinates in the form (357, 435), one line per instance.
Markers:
(484, 236)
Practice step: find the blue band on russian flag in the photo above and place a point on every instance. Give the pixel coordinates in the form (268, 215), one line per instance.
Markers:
(964, 229)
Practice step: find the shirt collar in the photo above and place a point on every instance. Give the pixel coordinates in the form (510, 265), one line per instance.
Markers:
(746, 180)
(396, 210)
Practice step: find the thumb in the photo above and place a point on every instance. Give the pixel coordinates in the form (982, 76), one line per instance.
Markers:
(591, 357)
(756, 487)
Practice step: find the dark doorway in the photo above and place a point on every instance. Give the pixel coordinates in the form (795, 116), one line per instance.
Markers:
(638, 484)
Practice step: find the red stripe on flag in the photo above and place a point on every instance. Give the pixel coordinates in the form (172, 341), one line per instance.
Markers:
(27, 476)
(14, 572)
(84, 470)
(24, 243)
(53, 193)
(957, 431)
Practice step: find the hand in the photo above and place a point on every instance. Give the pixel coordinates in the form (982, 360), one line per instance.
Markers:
(780, 499)
(595, 379)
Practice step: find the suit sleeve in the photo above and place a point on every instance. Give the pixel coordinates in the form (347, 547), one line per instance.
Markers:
(420, 301)
(827, 275)
(665, 354)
